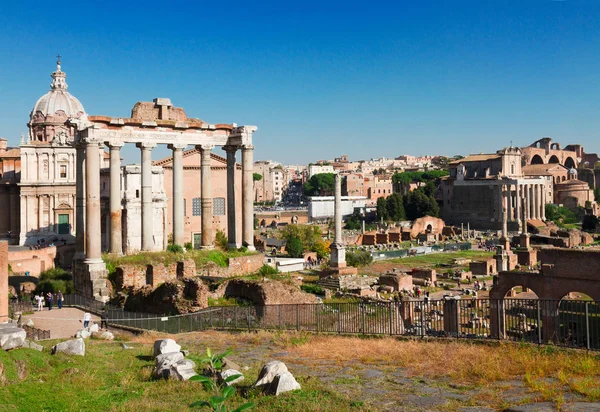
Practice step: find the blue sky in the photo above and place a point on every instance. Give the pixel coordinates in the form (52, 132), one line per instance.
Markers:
(321, 79)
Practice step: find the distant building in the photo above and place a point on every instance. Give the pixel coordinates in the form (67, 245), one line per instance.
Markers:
(316, 169)
(354, 185)
(270, 187)
(382, 187)
(482, 189)
(322, 207)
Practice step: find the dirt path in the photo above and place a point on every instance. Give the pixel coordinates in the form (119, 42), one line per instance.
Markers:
(62, 323)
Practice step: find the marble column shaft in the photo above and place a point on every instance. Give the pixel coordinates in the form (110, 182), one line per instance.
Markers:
(518, 204)
(231, 223)
(147, 210)
(509, 203)
(92, 207)
(178, 193)
(40, 213)
(206, 197)
(338, 209)
(115, 199)
(80, 202)
(247, 197)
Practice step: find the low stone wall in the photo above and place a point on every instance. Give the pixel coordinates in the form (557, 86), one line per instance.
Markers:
(483, 267)
(153, 275)
(32, 261)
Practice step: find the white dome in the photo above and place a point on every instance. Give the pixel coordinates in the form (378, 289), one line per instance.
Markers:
(58, 99)
(572, 172)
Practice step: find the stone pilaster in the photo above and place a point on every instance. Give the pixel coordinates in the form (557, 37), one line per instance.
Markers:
(206, 197)
(116, 246)
(80, 201)
(147, 212)
(178, 212)
(247, 196)
(3, 281)
(231, 222)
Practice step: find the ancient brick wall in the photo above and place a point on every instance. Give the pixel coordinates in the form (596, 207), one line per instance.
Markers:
(426, 274)
(3, 281)
(32, 261)
(398, 281)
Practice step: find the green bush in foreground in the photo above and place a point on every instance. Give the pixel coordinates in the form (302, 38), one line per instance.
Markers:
(174, 248)
(359, 258)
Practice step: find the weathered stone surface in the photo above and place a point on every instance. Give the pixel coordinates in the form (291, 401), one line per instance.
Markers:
(269, 371)
(268, 292)
(83, 333)
(182, 370)
(231, 372)
(11, 336)
(32, 345)
(29, 323)
(70, 347)
(582, 407)
(282, 383)
(165, 346)
(165, 361)
(106, 335)
(93, 328)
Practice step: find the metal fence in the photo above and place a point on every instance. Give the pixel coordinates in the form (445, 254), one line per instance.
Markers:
(565, 323)
(419, 250)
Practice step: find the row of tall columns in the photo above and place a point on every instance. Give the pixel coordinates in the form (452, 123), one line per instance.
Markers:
(88, 239)
(522, 202)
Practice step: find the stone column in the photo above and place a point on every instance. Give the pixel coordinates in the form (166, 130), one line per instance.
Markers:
(40, 212)
(92, 207)
(231, 223)
(147, 215)
(80, 203)
(178, 192)
(525, 209)
(206, 197)
(544, 202)
(518, 205)
(338, 209)
(504, 214)
(51, 206)
(247, 201)
(4, 282)
(509, 203)
(14, 215)
(536, 201)
(116, 246)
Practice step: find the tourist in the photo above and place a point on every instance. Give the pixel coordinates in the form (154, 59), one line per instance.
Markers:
(103, 319)
(484, 284)
(49, 300)
(87, 318)
(40, 302)
(59, 299)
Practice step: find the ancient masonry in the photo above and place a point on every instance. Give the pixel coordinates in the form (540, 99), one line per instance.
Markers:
(3, 281)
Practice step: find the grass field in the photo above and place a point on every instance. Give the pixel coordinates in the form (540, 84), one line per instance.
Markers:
(109, 378)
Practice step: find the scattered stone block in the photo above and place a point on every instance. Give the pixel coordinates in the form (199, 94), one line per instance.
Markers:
(83, 334)
(182, 370)
(32, 345)
(70, 347)
(165, 346)
(269, 371)
(106, 335)
(11, 336)
(164, 363)
(282, 383)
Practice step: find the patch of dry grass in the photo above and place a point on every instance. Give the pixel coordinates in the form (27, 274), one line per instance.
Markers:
(470, 363)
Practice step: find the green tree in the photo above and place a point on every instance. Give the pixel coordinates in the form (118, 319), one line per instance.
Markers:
(309, 235)
(256, 177)
(382, 211)
(395, 207)
(321, 184)
(294, 247)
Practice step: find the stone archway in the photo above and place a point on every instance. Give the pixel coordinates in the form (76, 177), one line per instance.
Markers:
(537, 160)
(570, 163)
(576, 323)
(554, 159)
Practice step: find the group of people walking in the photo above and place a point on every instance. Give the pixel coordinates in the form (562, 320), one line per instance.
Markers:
(49, 298)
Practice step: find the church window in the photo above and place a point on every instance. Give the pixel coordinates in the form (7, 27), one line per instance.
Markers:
(219, 206)
(63, 171)
(196, 206)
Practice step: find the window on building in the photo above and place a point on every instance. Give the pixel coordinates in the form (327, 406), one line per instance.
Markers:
(63, 171)
(137, 193)
(196, 206)
(219, 206)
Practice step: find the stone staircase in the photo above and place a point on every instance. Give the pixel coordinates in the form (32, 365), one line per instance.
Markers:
(330, 282)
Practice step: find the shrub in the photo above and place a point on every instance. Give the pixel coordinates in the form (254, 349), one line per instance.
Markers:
(266, 270)
(221, 240)
(53, 280)
(188, 246)
(314, 289)
(359, 258)
(174, 248)
(217, 257)
(294, 247)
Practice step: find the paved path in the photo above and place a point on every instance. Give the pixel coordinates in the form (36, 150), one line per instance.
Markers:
(62, 323)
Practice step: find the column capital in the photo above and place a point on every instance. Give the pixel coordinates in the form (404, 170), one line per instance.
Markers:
(230, 148)
(177, 146)
(87, 141)
(146, 145)
(248, 147)
(205, 147)
(114, 145)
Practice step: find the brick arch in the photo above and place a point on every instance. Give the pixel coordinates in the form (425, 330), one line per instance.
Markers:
(570, 163)
(537, 160)
(509, 280)
(554, 159)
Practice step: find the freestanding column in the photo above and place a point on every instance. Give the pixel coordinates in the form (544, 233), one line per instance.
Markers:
(40, 213)
(115, 199)
(206, 197)
(147, 215)
(92, 207)
(544, 201)
(518, 206)
(231, 223)
(337, 212)
(509, 202)
(247, 201)
(80, 203)
(178, 192)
